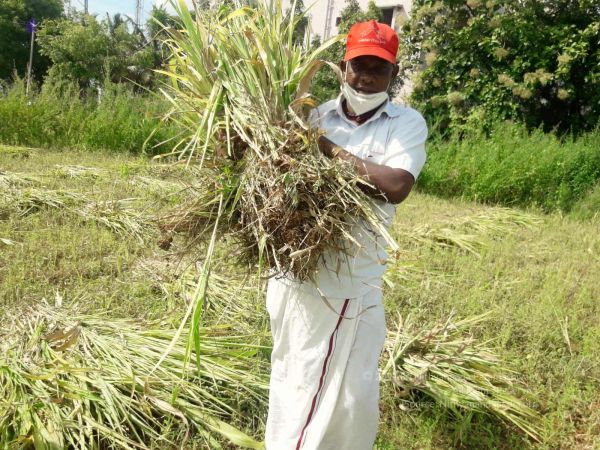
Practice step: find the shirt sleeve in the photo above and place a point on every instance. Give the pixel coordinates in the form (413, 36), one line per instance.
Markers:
(406, 143)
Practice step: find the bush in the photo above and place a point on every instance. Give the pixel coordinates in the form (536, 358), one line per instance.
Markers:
(63, 116)
(535, 62)
(589, 206)
(85, 50)
(514, 167)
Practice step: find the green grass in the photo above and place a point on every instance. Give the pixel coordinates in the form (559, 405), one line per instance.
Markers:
(57, 250)
(540, 282)
(514, 167)
(65, 117)
(589, 206)
(541, 285)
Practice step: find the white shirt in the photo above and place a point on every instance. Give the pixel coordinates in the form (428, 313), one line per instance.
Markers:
(395, 137)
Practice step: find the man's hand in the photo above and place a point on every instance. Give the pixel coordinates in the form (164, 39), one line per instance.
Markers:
(389, 184)
(327, 147)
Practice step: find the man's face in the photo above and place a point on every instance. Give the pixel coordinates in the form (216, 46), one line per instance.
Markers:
(369, 74)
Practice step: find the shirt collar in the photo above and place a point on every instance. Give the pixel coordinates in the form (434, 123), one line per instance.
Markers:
(388, 108)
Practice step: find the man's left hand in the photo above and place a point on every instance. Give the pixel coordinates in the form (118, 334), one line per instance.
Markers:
(327, 147)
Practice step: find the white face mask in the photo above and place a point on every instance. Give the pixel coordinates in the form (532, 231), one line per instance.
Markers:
(362, 103)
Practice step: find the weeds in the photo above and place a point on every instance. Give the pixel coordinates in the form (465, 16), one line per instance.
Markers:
(514, 168)
(64, 117)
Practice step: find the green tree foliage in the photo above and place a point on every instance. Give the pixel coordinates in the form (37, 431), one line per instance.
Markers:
(15, 40)
(87, 51)
(300, 30)
(373, 12)
(159, 20)
(326, 85)
(477, 60)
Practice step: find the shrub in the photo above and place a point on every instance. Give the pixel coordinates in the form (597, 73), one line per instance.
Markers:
(63, 116)
(514, 167)
(589, 206)
(535, 62)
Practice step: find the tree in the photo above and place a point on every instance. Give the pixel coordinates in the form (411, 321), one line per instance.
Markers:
(15, 40)
(160, 18)
(301, 26)
(373, 12)
(478, 60)
(157, 23)
(85, 50)
(326, 85)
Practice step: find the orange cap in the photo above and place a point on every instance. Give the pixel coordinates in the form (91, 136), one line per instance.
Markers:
(372, 38)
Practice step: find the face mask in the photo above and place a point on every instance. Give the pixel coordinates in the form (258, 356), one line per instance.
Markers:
(361, 103)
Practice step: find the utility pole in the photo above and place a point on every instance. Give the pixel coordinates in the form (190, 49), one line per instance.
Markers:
(139, 11)
(328, 19)
(85, 7)
(31, 27)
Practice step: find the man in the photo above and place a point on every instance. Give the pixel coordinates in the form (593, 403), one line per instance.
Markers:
(328, 334)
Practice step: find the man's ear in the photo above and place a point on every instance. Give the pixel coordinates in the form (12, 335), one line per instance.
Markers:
(395, 71)
(342, 65)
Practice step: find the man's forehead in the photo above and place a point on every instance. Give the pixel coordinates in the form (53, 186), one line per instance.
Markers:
(370, 60)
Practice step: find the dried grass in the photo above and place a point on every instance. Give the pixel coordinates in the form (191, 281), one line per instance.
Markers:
(447, 364)
(241, 89)
(72, 380)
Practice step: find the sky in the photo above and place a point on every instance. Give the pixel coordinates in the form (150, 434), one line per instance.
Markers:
(101, 7)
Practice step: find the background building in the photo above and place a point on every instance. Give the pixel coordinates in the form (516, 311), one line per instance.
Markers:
(325, 14)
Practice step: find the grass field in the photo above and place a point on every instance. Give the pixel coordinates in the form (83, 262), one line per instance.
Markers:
(539, 279)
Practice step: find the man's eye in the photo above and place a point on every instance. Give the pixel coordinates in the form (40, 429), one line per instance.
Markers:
(377, 71)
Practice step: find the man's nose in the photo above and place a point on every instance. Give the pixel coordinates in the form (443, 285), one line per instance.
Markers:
(365, 79)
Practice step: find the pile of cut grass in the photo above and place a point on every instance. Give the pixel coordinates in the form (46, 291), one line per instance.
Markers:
(73, 380)
(241, 91)
(23, 195)
(447, 365)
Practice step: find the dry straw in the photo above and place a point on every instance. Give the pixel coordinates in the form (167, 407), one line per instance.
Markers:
(448, 365)
(240, 87)
(73, 380)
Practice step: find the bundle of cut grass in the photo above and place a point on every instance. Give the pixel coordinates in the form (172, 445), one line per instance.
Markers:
(446, 364)
(240, 89)
(25, 195)
(75, 171)
(118, 216)
(70, 380)
(15, 180)
(30, 200)
(468, 232)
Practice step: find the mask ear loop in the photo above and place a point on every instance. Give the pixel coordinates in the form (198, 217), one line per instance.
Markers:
(389, 85)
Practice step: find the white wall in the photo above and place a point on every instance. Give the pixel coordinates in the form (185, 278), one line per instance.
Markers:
(318, 11)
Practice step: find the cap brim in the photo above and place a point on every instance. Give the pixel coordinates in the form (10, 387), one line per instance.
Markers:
(370, 51)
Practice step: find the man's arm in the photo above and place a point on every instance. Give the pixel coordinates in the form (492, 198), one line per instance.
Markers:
(392, 185)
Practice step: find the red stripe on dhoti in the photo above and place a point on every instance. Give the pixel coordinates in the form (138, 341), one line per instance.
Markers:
(322, 378)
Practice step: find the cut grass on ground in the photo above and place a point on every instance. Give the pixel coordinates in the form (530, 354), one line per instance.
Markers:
(539, 281)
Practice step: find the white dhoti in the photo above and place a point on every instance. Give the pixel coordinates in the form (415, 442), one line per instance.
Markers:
(324, 388)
